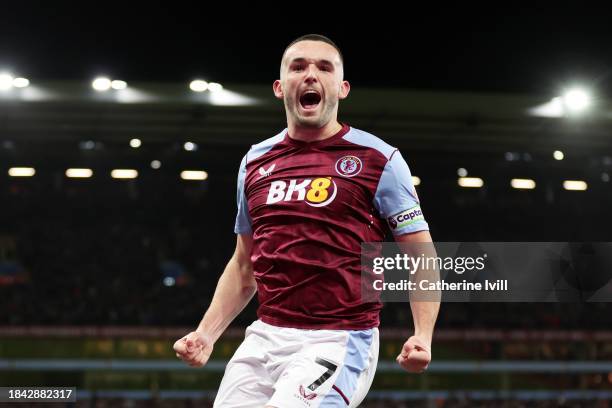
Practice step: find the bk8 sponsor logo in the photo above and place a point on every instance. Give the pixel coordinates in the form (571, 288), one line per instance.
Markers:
(316, 193)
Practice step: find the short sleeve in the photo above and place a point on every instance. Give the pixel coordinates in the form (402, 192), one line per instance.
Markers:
(243, 219)
(396, 199)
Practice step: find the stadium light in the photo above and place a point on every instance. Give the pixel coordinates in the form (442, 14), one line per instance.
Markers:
(118, 84)
(101, 84)
(21, 82)
(6, 81)
(198, 85)
(21, 172)
(511, 156)
(575, 185)
(470, 182)
(87, 145)
(215, 87)
(523, 184)
(558, 155)
(190, 146)
(573, 102)
(124, 174)
(416, 181)
(155, 164)
(79, 173)
(135, 143)
(577, 100)
(194, 175)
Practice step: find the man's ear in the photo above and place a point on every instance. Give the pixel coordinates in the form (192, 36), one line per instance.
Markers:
(345, 88)
(277, 87)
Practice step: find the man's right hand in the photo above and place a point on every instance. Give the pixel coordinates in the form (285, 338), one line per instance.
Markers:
(194, 349)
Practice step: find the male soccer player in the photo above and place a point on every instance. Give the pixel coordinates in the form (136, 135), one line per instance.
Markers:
(307, 198)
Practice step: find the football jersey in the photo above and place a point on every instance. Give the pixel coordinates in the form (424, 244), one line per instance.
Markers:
(309, 206)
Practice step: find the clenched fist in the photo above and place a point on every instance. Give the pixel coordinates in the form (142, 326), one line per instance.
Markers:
(194, 349)
(415, 355)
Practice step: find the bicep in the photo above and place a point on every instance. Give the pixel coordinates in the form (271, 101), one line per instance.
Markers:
(242, 253)
(418, 244)
(419, 236)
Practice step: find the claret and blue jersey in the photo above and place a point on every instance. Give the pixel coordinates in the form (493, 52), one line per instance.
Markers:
(309, 206)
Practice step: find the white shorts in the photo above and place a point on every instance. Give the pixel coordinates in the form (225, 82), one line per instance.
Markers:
(286, 368)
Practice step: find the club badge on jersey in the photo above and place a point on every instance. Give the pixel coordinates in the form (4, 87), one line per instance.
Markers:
(349, 166)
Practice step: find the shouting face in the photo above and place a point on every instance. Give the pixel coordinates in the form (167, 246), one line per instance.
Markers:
(311, 83)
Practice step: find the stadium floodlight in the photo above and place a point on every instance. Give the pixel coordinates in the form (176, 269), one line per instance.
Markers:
(198, 85)
(575, 185)
(21, 82)
(577, 100)
(118, 84)
(194, 175)
(462, 172)
(101, 84)
(155, 164)
(523, 184)
(6, 81)
(135, 143)
(472, 182)
(124, 174)
(79, 173)
(87, 145)
(169, 281)
(21, 172)
(558, 155)
(416, 181)
(190, 146)
(215, 87)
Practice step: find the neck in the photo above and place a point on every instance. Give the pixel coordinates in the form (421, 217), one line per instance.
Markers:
(307, 134)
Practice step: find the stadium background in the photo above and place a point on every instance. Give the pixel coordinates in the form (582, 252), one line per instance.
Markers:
(98, 276)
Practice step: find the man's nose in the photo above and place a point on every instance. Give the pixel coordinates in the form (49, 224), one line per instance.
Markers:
(311, 73)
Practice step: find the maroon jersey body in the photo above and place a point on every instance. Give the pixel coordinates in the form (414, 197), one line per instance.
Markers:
(309, 206)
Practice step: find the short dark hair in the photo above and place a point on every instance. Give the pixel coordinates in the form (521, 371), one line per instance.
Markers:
(316, 37)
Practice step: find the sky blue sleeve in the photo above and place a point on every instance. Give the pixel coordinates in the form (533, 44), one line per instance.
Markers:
(396, 199)
(243, 219)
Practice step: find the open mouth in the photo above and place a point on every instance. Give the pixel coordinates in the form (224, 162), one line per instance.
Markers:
(310, 100)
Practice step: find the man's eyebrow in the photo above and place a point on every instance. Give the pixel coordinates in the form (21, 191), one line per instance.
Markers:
(302, 59)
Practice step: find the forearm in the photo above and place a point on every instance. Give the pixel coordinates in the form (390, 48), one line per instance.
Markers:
(424, 315)
(425, 304)
(234, 290)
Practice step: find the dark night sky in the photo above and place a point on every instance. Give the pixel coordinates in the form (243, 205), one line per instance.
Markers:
(536, 51)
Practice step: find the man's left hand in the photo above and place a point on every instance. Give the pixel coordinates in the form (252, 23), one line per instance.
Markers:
(415, 355)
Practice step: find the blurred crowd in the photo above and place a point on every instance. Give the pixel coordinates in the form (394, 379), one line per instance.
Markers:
(149, 252)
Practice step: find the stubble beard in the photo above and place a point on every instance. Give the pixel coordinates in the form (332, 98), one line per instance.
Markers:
(313, 122)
